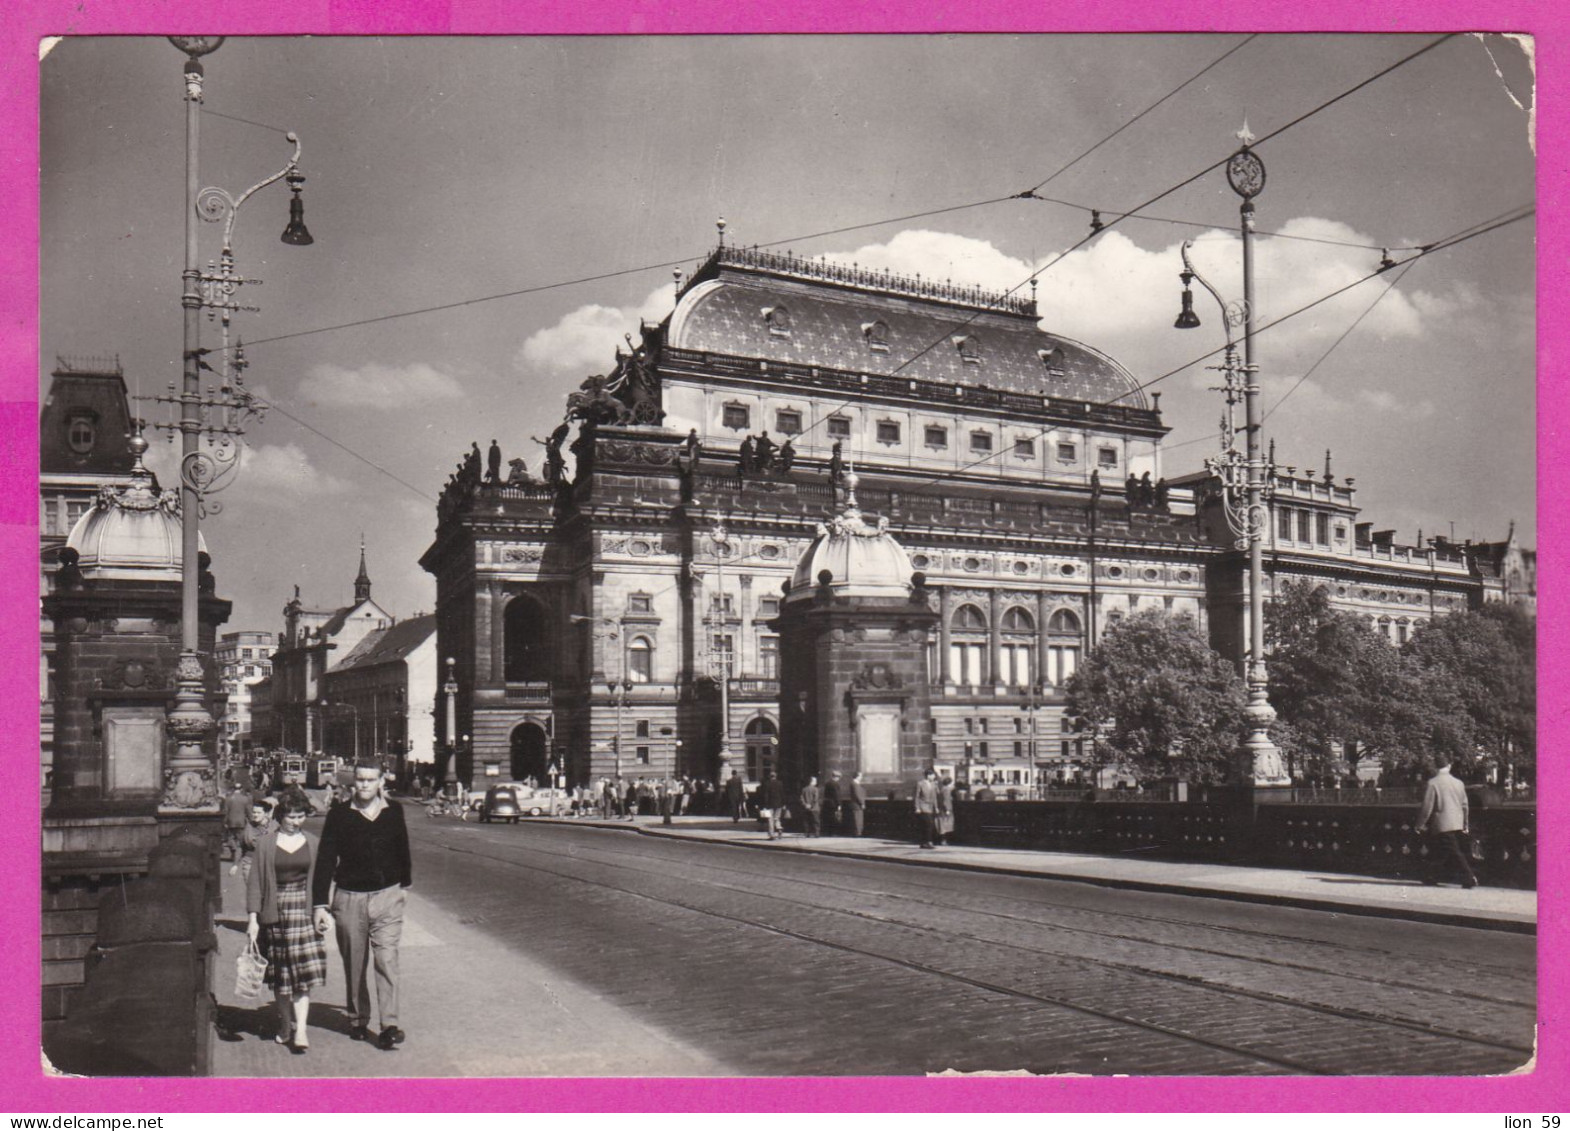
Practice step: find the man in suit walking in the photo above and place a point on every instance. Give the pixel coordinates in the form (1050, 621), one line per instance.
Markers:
(736, 797)
(927, 808)
(831, 802)
(811, 808)
(1445, 816)
(855, 813)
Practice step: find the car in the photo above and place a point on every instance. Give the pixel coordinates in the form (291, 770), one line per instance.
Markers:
(500, 803)
(542, 802)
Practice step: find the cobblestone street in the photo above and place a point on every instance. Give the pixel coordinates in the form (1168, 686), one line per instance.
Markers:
(763, 963)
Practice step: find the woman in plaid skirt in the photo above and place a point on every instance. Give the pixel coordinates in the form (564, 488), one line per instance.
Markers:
(278, 898)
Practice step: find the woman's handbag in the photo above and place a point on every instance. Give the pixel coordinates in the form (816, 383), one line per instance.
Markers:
(765, 813)
(249, 970)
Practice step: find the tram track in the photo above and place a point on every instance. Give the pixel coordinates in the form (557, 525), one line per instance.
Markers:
(571, 864)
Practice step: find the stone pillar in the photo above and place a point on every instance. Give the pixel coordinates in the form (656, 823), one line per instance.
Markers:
(496, 597)
(1043, 613)
(945, 623)
(994, 675)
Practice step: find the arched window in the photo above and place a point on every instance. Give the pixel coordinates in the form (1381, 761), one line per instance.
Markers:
(1064, 641)
(1017, 654)
(80, 433)
(759, 741)
(968, 646)
(527, 653)
(640, 660)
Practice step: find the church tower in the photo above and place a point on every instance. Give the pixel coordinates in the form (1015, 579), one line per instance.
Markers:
(362, 583)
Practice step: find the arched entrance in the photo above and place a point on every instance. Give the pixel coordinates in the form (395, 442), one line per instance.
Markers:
(528, 753)
(762, 750)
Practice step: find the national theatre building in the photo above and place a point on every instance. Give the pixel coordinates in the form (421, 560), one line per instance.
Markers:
(624, 614)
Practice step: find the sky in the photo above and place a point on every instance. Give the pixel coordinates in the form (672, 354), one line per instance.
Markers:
(442, 173)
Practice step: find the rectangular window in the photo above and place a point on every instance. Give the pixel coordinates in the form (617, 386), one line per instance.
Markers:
(640, 603)
(981, 441)
(1019, 749)
(52, 516)
(1063, 751)
(1284, 524)
(643, 755)
(768, 607)
(1322, 529)
(1068, 453)
(74, 509)
(788, 421)
(641, 728)
(1061, 662)
(722, 652)
(838, 427)
(769, 656)
(937, 437)
(736, 416)
(981, 750)
(1107, 457)
(970, 726)
(1025, 448)
(888, 432)
(1304, 518)
(982, 725)
(1019, 726)
(721, 605)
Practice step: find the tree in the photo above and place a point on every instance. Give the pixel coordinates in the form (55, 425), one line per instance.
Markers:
(1159, 701)
(1483, 664)
(1335, 680)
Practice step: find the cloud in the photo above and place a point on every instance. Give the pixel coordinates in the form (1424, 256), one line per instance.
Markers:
(1122, 298)
(381, 387)
(584, 341)
(282, 474)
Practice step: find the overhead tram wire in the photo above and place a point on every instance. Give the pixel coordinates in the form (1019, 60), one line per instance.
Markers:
(1234, 49)
(1309, 372)
(1038, 272)
(276, 407)
(1441, 245)
(927, 349)
(772, 243)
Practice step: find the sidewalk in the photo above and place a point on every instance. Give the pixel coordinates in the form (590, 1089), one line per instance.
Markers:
(451, 977)
(1489, 908)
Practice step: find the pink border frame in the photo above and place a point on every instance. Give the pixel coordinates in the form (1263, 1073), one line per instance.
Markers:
(27, 1090)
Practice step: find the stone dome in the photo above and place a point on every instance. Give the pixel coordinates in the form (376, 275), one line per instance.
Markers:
(863, 560)
(132, 532)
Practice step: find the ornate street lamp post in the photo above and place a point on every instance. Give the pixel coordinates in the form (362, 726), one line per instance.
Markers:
(721, 538)
(619, 693)
(189, 782)
(1242, 475)
(450, 689)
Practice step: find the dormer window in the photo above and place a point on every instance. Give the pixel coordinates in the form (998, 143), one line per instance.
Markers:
(877, 335)
(1051, 358)
(969, 346)
(80, 433)
(778, 320)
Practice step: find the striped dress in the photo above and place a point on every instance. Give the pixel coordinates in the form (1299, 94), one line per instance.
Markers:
(296, 954)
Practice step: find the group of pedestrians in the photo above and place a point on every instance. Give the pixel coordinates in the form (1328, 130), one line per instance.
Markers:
(934, 805)
(841, 808)
(353, 885)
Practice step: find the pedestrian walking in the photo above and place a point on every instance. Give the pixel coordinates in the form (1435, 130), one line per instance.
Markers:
(1445, 818)
(237, 812)
(260, 825)
(278, 919)
(856, 805)
(665, 792)
(926, 806)
(773, 804)
(632, 800)
(364, 866)
(610, 799)
(831, 803)
(736, 797)
(944, 824)
(811, 808)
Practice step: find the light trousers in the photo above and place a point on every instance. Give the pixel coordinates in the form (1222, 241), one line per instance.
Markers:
(370, 927)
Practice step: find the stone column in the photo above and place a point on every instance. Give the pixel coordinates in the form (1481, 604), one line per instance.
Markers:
(946, 615)
(496, 598)
(1043, 612)
(994, 636)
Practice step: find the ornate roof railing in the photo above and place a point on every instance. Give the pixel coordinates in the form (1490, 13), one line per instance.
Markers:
(790, 264)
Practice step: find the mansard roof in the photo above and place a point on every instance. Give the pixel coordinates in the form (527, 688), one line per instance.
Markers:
(779, 308)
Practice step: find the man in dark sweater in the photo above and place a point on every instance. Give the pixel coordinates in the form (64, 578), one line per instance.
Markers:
(363, 863)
